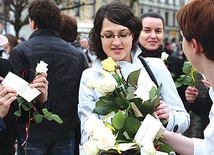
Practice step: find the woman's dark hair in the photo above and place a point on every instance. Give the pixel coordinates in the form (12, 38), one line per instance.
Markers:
(68, 28)
(118, 13)
(12, 40)
(152, 15)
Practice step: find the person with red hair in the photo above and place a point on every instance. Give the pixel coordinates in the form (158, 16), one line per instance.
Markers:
(196, 21)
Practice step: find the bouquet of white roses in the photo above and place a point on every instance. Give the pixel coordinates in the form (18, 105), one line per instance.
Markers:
(123, 111)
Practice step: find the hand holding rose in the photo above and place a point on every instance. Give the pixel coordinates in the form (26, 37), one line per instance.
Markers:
(191, 93)
(162, 111)
(40, 82)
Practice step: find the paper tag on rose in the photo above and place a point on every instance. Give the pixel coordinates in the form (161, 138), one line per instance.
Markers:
(150, 129)
(21, 86)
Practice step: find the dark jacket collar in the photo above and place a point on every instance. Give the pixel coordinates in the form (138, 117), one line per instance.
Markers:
(147, 53)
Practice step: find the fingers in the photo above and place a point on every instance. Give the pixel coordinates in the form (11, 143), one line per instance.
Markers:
(6, 92)
(162, 111)
(191, 94)
(7, 96)
(5, 104)
(40, 82)
(206, 83)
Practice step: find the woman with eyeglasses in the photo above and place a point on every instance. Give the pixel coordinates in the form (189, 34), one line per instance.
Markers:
(115, 32)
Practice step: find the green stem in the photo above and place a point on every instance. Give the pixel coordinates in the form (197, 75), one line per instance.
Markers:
(192, 75)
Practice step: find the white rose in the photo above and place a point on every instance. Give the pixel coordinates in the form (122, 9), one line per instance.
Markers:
(164, 56)
(105, 85)
(91, 83)
(104, 73)
(106, 141)
(41, 67)
(91, 147)
(148, 149)
(92, 124)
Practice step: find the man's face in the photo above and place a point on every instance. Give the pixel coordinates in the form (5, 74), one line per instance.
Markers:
(84, 43)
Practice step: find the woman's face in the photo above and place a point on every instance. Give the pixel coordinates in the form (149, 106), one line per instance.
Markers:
(189, 51)
(151, 36)
(117, 47)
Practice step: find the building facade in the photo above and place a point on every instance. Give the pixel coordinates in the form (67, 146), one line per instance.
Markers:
(84, 11)
(166, 8)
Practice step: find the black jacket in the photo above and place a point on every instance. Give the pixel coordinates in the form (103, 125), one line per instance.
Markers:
(65, 66)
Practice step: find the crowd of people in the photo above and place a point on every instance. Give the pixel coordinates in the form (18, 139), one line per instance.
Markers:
(135, 43)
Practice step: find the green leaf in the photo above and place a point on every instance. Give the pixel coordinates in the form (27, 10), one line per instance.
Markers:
(103, 102)
(131, 125)
(178, 84)
(25, 107)
(183, 76)
(147, 107)
(163, 121)
(30, 105)
(130, 92)
(18, 112)
(20, 100)
(165, 148)
(49, 116)
(138, 101)
(38, 117)
(158, 91)
(105, 110)
(123, 103)
(118, 120)
(56, 118)
(133, 77)
(152, 92)
(156, 101)
(46, 112)
(186, 67)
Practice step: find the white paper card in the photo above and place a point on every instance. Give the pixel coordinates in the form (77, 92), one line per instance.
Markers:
(126, 146)
(161, 153)
(148, 130)
(21, 86)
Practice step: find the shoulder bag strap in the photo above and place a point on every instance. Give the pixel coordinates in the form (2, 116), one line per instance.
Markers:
(148, 69)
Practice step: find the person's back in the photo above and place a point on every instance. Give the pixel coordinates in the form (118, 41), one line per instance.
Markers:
(68, 32)
(65, 66)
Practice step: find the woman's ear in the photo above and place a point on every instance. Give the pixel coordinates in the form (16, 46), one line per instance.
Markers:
(196, 46)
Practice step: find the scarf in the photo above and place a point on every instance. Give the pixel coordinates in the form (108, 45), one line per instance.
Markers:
(147, 53)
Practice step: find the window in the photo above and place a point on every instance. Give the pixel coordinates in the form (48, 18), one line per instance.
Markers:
(174, 19)
(174, 3)
(77, 9)
(166, 18)
(141, 10)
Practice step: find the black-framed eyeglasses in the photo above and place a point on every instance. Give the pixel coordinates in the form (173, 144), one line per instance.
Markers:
(112, 36)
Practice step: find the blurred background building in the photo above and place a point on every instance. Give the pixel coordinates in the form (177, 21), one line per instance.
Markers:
(84, 11)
